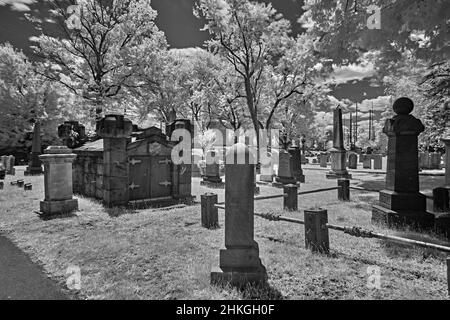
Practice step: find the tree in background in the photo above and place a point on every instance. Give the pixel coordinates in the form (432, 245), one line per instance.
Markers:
(101, 49)
(249, 36)
(27, 97)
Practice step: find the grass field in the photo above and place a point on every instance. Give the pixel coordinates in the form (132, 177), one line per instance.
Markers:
(166, 254)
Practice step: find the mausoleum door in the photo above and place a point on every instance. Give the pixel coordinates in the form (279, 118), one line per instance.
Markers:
(139, 183)
(161, 178)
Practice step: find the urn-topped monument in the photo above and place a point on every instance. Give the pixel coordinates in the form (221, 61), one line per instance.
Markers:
(401, 202)
(338, 152)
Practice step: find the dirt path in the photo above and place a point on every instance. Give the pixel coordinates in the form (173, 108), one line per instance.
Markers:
(21, 279)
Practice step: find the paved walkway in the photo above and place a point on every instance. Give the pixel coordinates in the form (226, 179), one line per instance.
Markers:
(21, 279)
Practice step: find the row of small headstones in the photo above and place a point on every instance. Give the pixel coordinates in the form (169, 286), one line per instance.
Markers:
(366, 159)
(19, 183)
(430, 160)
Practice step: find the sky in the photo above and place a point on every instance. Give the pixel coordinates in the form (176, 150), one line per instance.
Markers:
(182, 30)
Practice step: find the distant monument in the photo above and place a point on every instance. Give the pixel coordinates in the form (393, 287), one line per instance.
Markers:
(35, 164)
(338, 152)
(401, 202)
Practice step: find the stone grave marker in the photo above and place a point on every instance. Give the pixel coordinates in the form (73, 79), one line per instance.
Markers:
(58, 181)
(296, 163)
(285, 174)
(352, 161)
(338, 153)
(35, 164)
(367, 162)
(239, 262)
(377, 161)
(401, 202)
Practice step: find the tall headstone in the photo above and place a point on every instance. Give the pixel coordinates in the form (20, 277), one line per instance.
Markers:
(285, 173)
(401, 202)
(296, 162)
(58, 181)
(266, 171)
(323, 159)
(424, 160)
(115, 130)
(377, 161)
(35, 164)
(367, 162)
(338, 152)
(239, 262)
(212, 170)
(435, 160)
(352, 161)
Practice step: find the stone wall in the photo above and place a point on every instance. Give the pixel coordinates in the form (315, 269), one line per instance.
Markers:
(88, 172)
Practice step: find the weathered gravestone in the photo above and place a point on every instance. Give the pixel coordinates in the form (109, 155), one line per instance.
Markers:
(296, 163)
(377, 161)
(401, 202)
(435, 160)
(338, 152)
(72, 134)
(424, 160)
(323, 157)
(10, 161)
(361, 157)
(267, 171)
(35, 164)
(352, 161)
(58, 181)
(239, 262)
(367, 161)
(212, 171)
(285, 174)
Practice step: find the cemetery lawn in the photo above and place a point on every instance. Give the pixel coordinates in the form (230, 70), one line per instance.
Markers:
(166, 254)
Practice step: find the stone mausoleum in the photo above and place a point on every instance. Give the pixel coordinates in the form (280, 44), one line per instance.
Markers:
(126, 168)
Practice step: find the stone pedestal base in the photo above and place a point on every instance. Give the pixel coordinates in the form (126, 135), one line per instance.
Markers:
(58, 206)
(213, 184)
(402, 201)
(397, 209)
(338, 165)
(216, 179)
(300, 178)
(338, 175)
(282, 185)
(33, 171)
(416, 219)
(285, 180)
(239, 267)
(266, 178)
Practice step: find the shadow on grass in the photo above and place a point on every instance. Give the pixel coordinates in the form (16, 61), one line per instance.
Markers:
(47, 217)
(254, 291)
(115, 212)
(395, 249)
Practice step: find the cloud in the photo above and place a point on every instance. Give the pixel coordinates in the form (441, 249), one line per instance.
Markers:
(352, 73)
(17, 5)
(33, 39)
(380, 104)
